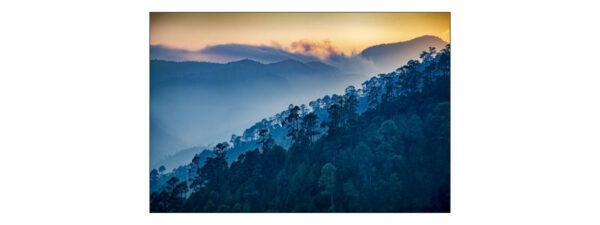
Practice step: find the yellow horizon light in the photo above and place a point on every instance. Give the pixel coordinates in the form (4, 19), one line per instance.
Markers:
(347, 32)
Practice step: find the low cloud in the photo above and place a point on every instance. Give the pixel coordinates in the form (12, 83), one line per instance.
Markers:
(266, 54)
(302, 50)
(229, 52)
(322, 50)
(175, 54)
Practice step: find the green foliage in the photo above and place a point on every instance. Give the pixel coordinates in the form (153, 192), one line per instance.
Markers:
(327, 182)
(394, 157)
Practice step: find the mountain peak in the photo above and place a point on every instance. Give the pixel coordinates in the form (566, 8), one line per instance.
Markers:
(390, 56)
(415, 41)
(427, 37)
(245, 61)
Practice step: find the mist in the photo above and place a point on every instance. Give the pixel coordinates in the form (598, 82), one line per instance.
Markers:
(204, 103)
(206, 112)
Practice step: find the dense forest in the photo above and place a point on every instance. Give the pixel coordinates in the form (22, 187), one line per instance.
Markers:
(392, 156)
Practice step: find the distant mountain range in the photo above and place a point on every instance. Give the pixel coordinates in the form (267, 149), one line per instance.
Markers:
(182, 157)
(203, 103)
(388, 57)
(247, 70)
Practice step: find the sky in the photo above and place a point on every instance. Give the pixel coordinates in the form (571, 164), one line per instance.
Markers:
(317, 34)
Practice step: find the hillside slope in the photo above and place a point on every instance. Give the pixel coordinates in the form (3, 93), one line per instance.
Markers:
(393, 157)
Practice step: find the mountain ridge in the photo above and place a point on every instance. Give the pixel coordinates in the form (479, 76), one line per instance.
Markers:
(388, 56)
(210, 90)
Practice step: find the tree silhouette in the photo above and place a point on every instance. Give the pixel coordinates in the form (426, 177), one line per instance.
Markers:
(264, 139)
(392, 156)
(327, 182)
(309, 123)
(220, 149)
(292, 121)
(153, 174)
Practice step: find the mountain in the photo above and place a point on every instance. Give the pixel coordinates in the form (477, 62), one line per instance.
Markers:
(388, 57)
(201, 102)
(297, 67)
(393, 155)
(161, 70)
(161, 141)
(322, 66)
(243, 70)
(178, 159)
(228, 75)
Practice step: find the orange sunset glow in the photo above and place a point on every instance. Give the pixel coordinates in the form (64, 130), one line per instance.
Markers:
(344, 32)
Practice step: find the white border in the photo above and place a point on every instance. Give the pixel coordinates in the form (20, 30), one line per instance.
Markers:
(74, 115)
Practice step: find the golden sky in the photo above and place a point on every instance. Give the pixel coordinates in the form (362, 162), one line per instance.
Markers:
(347, 32)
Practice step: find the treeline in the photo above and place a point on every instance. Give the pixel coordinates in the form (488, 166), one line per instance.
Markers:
(394, 157)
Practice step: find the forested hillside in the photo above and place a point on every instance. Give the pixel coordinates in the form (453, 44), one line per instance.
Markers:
(393, 155)
(187, 97)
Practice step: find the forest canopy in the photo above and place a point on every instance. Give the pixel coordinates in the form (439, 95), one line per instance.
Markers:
(391, 156)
